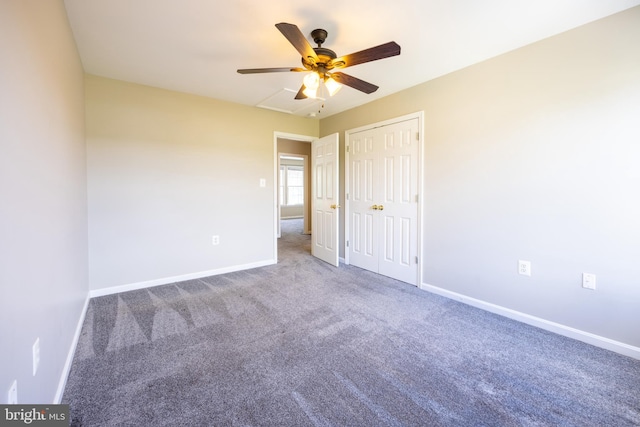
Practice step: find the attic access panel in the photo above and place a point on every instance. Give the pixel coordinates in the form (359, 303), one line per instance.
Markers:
(284, 102)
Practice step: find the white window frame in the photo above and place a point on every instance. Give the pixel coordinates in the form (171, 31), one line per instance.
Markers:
(284, 184)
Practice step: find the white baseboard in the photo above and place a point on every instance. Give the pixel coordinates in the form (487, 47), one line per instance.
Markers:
(167, 280)
(72, 351)
(567, 331)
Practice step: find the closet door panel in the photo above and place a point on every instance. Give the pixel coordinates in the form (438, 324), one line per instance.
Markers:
(399, 178)
(363, 223)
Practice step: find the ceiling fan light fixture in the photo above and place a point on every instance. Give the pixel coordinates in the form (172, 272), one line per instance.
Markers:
(320, 61)
(310, 92)
(332, 86)
(312, 80)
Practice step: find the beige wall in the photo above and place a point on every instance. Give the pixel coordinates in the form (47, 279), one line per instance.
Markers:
(167, 171)
(304, 148)
(43, 202)
(534, 155)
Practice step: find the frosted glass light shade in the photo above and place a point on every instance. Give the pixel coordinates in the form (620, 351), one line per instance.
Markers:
(309, 92)
(312, 80)
(332, 86)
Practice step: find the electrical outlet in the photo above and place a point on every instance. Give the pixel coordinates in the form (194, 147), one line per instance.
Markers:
(589, 281)
(215, 240)
(263, 182)
(36, 355)
(12, 396)
(524, 267)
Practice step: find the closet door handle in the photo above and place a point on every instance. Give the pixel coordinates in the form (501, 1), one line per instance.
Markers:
(374, 207)
(335, 206)
(380, 207)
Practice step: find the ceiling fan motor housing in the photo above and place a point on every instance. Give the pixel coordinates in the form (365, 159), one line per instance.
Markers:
(319, 36)
(325, 56)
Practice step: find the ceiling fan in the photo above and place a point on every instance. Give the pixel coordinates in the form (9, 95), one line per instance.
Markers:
(322, 61)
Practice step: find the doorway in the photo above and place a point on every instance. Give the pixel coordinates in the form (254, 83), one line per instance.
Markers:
(293, 146)
(293, 188)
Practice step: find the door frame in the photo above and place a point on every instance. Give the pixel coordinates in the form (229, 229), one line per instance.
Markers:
(276, 170)
(347, 182)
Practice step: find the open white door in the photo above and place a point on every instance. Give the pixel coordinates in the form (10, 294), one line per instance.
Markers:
(325, 199)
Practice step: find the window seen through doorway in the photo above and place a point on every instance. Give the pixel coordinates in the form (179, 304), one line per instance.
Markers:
(291, 185)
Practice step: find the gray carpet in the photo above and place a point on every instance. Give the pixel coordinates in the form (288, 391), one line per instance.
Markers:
(301, 343)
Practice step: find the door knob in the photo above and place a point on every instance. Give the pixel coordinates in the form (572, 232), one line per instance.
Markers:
(374, 207)
(335, 206)
(380, 207)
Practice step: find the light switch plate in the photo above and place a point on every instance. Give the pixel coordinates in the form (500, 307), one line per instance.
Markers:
(589, 281)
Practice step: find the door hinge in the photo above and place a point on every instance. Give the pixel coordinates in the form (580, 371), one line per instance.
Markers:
(417, 136)
(416, 260)
(347, 148)
(347, 196)
(347, 243)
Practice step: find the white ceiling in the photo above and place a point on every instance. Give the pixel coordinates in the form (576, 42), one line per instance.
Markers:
(196, 46)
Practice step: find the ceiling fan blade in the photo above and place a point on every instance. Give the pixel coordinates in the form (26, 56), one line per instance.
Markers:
(354, 82)
(269, 70)
(372, 54)
(300, 94)
(298, 40)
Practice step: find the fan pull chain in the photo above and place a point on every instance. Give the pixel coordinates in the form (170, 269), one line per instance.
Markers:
(323, 95)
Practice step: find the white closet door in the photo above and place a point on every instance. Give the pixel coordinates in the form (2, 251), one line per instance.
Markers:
(398, 181)
(363, 218)
(383, 205)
